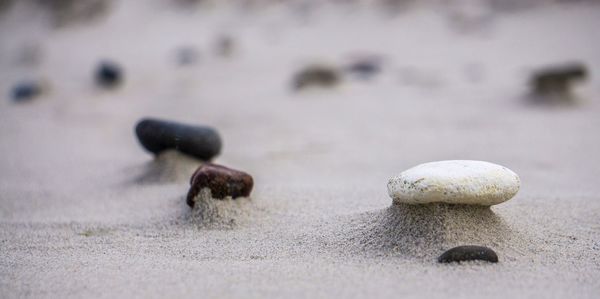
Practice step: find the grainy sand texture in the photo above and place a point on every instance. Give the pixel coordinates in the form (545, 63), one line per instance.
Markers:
(86, 212)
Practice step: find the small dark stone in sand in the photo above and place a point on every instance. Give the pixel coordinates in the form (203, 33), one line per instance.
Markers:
(468, 253)
(557, 79)
(109, 74)
(187, 56)
(224, 46)
(26, 91)
(365, 68)
(316, 75)
(221, 181)
(156, 135)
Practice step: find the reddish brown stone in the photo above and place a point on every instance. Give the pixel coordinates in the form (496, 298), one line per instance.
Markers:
(221, 181)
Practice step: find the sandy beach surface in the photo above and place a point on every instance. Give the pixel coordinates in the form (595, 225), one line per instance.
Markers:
(86, 212)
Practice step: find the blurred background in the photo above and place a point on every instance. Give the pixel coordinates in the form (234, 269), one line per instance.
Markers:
(304, 93)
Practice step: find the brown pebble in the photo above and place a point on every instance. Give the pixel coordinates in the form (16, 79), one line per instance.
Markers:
(221, 181)
(558, 78)
(316, 75)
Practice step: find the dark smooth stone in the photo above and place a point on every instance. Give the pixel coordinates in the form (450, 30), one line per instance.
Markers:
(221, 181)
(468, 253)
(26, 91)
(322, 76)
(109, 74)
(156, 135)
(557, 79)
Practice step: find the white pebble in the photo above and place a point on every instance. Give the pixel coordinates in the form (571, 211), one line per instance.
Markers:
(455, 182)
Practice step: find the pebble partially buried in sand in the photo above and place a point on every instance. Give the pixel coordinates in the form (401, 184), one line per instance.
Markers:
(468, 253)
(447, 192)
(221, 181)
(454, 182)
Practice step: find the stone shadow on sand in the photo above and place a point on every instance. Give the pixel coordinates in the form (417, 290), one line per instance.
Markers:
(563, 99)
(168, 167)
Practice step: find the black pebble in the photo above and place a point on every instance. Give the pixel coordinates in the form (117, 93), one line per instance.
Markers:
(26, 91)
(109, 74)
(468, 253)
(155, 135)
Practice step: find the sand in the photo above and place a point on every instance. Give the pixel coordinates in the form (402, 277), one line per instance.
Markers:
(86, 212)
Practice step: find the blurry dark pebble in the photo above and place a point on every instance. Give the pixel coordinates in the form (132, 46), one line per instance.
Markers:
(364, 68)
(155, 135)
(557, 79)
(221, 181)
(316, 75)
(109, 74)
(26, 91)
(187, 56)
(468, 253)
(66, 12)
(224, 46)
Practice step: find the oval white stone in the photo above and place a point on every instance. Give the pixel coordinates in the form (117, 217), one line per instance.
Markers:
(455, 182)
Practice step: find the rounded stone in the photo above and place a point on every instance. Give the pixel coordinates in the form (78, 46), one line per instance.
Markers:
(109, 74)
(221, 181)
(316, 76)
(364, 66)
(468, 253)
(454, 182)
(558, 78)
(156, 136)
(26, 91)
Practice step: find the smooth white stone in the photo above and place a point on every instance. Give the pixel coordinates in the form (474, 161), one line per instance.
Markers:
(455, 182)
